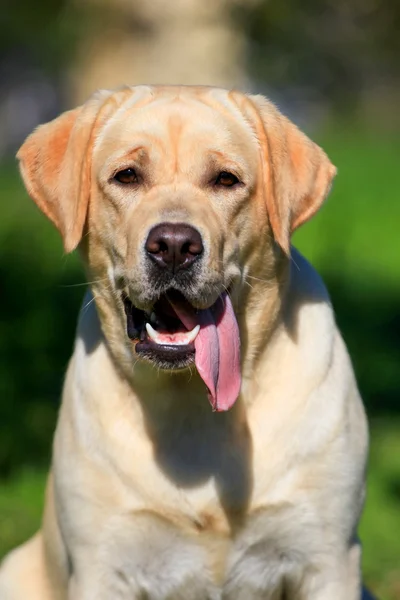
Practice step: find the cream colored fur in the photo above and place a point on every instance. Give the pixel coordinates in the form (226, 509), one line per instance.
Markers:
(151, 494)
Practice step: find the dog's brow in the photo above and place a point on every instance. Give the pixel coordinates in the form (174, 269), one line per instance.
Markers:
(218, 158)
(136, 152)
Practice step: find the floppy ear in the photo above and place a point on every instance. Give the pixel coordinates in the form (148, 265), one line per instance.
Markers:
(297, 173)
(55, 163)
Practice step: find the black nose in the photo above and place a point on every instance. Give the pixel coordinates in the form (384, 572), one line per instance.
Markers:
(174, 246)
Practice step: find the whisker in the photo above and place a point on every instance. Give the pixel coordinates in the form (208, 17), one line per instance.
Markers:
(86, 283)
(256, 278)
(294, 262)
(84, 308)
(227, 291)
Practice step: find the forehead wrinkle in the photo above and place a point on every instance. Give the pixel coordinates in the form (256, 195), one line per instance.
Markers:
(213, 116)
(139, 96)
(146, 142)
(222, 101)
(227, 103)
(229, 149)
(149, 98)
(157, 96)
(139, 102)
(181, 126)
(175, 127)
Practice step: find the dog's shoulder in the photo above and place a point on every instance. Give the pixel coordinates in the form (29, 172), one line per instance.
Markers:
(306, 281)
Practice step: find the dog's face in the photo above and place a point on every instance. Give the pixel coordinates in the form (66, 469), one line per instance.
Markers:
(182, 195)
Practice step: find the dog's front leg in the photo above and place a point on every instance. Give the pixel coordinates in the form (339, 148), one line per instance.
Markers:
(142, 555)
(332, 578)
(95, 585)
(121, 589)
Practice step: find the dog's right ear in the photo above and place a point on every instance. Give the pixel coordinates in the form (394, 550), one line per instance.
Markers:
(297, 174)
(55, 163)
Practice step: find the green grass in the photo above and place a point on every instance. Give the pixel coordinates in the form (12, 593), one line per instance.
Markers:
(21, 503)
(380, 526)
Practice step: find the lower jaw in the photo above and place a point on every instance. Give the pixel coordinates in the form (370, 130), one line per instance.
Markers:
(167, 357)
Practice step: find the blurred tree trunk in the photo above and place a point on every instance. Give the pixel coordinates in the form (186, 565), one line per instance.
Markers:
(157, 41)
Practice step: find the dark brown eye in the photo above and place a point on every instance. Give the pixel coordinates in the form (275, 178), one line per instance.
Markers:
(126, 176)
(226, 179)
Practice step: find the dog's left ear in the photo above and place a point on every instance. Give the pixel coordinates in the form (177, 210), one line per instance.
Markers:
(297, 173)
(55, 163)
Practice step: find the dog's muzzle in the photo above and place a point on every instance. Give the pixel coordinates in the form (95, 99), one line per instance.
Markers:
(174, 334)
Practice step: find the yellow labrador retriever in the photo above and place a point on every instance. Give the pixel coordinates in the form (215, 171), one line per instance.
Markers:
(211, 442)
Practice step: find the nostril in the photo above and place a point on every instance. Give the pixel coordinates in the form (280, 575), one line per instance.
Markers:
(163, 247)
(157, 247)
(191, 248)
(185, 248)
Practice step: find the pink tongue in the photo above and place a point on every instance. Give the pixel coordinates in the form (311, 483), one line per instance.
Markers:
(217, 349)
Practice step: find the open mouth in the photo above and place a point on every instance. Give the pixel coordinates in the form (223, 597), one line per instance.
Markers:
(174, 335)
(159, 334)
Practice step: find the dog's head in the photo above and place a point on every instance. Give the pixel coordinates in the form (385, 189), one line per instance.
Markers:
(180, 198)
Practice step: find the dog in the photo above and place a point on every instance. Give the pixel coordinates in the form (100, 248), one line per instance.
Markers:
(211, 441)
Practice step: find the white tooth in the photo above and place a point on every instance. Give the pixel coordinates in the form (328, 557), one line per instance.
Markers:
(152, 332)
(191, 336)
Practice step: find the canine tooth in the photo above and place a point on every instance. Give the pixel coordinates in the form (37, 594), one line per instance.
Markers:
(191, 336)
(152, 332)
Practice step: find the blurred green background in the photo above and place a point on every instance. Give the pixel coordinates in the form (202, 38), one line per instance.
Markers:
(332, 66)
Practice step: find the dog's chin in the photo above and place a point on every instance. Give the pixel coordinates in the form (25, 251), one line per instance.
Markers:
(158, 335)
(166, 356)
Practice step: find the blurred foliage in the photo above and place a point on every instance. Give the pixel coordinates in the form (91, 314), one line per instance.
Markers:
(21, 505)
(380, 524)
(338, 49)
(43, 32)
(37, 327)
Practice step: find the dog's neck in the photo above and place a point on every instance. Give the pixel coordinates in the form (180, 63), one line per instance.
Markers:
(166, 412)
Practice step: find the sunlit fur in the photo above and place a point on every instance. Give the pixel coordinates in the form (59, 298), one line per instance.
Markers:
(151, 494)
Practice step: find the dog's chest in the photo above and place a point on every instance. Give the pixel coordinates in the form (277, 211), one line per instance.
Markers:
(194, 529)
(147, 554)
